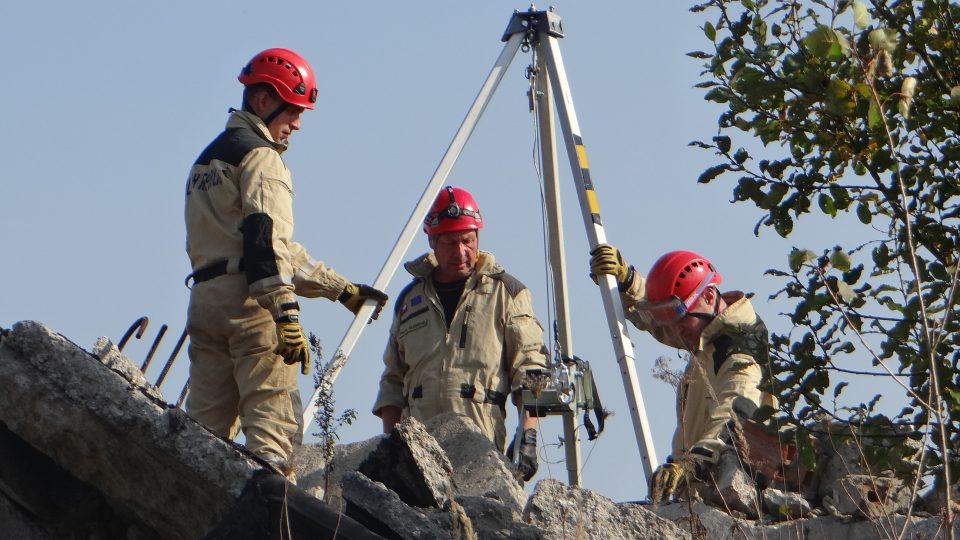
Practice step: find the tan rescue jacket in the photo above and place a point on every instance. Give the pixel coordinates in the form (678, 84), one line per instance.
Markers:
(470, 368)
(727, 364)
(239, 209)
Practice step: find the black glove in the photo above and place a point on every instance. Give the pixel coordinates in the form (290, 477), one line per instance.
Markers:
(528, 454)
(606, 259)
(355, 294)
(292, 345)
(527, 467)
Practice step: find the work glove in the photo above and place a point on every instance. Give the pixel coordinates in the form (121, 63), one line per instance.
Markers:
(606, 259)
(695, 465)
(664, 482)
(355, 294)
(527, 465)
(292, 345)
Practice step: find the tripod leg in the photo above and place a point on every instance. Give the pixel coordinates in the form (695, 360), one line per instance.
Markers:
(549, 48)
(551, 187)
(419, 212)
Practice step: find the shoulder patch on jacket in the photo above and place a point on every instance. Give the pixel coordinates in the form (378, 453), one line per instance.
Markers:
(402, 296)
(231, 146)
(512, 284)
(749, 339)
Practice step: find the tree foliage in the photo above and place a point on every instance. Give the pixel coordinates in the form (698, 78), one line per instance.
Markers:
(838, 107)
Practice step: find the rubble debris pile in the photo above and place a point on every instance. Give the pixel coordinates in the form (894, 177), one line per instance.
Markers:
(88, 448)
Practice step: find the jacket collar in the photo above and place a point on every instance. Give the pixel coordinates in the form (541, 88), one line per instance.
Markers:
(739, 310)
(248, 120)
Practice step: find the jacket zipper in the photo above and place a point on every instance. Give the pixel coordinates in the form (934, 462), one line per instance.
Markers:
(463, 328)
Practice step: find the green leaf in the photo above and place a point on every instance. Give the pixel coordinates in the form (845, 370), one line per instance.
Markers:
(841, 198)
(954, 399)
(783, 225)
(773, 196)
(861, 18)
(840, 97)
(763, 413)
(838, 389)
(717, 95)
(740, 156)
(827, 43)
(874, 116)
(840, 260)
(864, 214)
(881, 255)
(826, 205)
(723, 143)
(798, 257)
(710, 32)
(712, 173)
(955, 94)
(845, 292)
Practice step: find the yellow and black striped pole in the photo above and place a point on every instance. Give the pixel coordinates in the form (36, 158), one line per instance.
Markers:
(549, 49)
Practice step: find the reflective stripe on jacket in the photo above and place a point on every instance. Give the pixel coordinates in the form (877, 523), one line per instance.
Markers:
(471, 368)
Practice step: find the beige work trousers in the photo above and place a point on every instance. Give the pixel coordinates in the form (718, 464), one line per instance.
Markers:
(236, 379)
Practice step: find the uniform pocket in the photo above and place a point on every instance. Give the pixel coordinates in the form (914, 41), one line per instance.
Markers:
(277, 196)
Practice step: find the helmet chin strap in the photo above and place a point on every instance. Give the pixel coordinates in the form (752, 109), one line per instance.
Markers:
(276, 112)
(270, 117)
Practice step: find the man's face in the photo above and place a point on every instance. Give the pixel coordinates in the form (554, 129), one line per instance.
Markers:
(285, 123)
(691, 325)
(456, 254)
(288, 121)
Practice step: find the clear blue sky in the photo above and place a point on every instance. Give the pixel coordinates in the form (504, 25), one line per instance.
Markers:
(107, 104)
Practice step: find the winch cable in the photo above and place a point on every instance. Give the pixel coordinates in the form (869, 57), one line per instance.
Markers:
(558, 353)
(548, 270)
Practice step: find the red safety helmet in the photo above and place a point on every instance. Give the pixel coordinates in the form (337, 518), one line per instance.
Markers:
(674, 284)
(453, 210)
(287, 72)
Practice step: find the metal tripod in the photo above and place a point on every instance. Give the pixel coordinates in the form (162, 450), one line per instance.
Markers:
(539, 31)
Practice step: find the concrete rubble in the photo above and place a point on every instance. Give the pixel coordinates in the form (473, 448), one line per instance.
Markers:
(88, 449)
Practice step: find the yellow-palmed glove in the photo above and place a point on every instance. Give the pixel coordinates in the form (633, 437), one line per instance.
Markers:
(355, 294)
(292, 345)
(664, 482)
(606, 259)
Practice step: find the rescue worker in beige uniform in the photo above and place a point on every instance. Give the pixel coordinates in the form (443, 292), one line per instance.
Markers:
(243, 319)
(463, 333)
(680, 305)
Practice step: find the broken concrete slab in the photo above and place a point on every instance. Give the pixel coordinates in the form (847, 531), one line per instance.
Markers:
(147, 459)
(271, 507)
(731, 488)
(699, 520)
(868, 496)
(380, 510)
(105, 351)
(714, 524)
(478, 467)
(490, 520)
(310, 467)
(411, 463)
(784, 504)
(17, 523)
(571, 512)
(934, 501)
